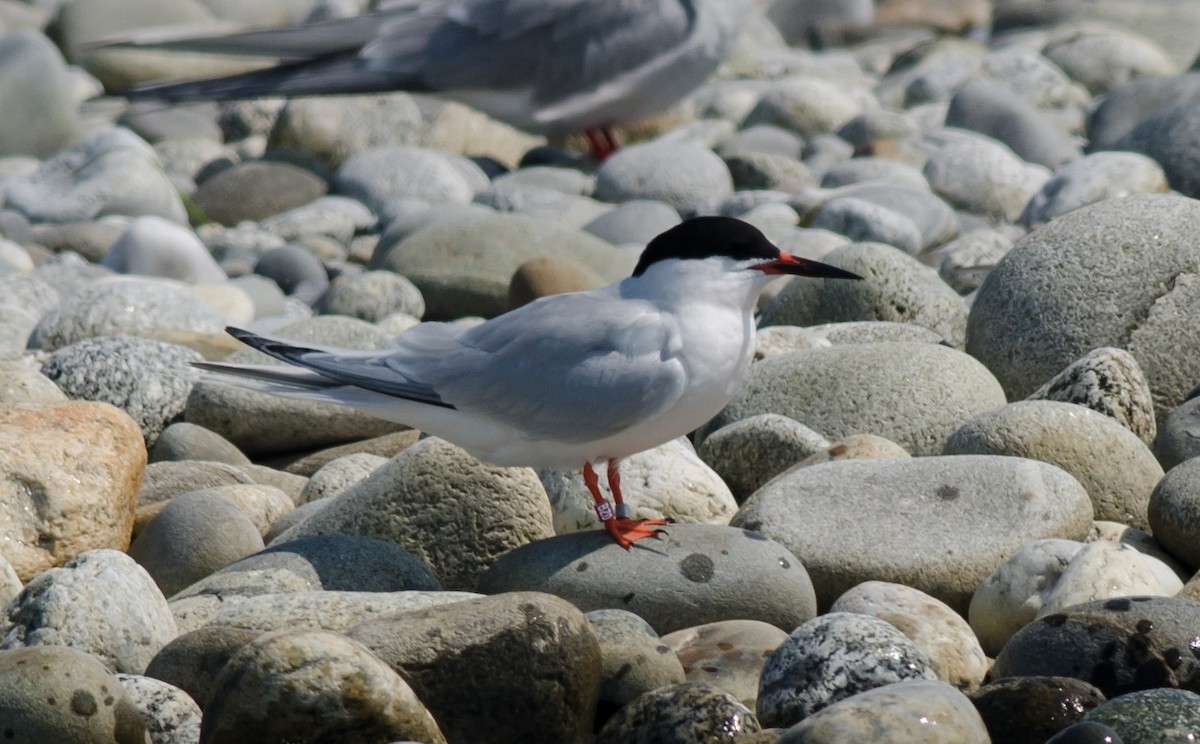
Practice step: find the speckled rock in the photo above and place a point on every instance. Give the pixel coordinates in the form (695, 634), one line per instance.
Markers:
(669, 481)
(1174, 511)
(696, 574)
(372, 296)
(313, 686)
(149, 380)
(683, 175)
(685, 713)
(1110, 461)
(748, 453)
(830, 658)
(70, 478)
(895, 287)
(516, 667)
(482, 511)
(170, 714)
(63, 694)
(913, 710)
(728, 654)
(635, 660)
(464, 266)
(1161, 716)
(261, 424)
(1033, 708)
(101, 602)
(1119, 645)
(915, 394)
(195, 534)
(1109, 381)
(1037, 311)
(938, 631)
(972, 512)
(126, 307)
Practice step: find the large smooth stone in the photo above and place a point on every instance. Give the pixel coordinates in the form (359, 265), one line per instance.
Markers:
(937, 524)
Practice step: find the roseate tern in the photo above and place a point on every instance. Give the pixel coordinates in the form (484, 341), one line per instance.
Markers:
(551, 67)
(570, 379)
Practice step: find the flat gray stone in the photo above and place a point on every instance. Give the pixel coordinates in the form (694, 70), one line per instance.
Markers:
(695, 574)
(1041, 309)
(915, 394)
(963, 517)
(1115, 467)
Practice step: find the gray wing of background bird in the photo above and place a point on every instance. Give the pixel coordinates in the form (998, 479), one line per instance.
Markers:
(551, 47)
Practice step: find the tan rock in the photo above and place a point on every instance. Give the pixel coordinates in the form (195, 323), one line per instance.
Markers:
(69, 479)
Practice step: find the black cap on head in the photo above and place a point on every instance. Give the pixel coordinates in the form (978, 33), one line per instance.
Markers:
(705, 237)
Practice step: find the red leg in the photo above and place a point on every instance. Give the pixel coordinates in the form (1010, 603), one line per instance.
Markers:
(625, 529)
(601, 143)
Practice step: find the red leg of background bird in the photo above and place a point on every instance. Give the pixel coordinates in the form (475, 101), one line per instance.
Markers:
(625, 528)
(601, 143)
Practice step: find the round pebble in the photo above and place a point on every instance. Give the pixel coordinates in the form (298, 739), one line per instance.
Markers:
(680, 714)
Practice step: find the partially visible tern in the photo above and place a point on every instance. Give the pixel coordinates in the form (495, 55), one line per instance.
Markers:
(552, 67)
(570, 379)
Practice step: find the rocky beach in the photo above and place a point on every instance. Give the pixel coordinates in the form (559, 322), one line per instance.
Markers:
(956, 502)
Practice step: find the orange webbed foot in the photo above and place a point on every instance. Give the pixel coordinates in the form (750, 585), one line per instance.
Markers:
(626, 531)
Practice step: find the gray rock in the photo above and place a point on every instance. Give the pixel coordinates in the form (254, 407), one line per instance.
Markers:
(463, 267)
(636, 221)
(1160, 715)
(542, 203)
(1037, 311)
(154, 246)
(856, 447)
(101, 602)
(964, 516)
(915, 394)
(995, 110)
(1129, 104)
(831, 658)
(170, 714)
(896, 288)
(63, 694)
(903, 709)
(380, 176)
(163, 481)
(728, 654)
(935, 220)
(372, 296)
(184, 441)
(32, 71)
(807, 105)
(748, 453)
(194, 659)
(319, 685)
(195, 534)
(868, 332)
(859, 170)
(1172, 138)
(1099, 176)
(635, 661)
(298, 271)
(1174, 512)
(766, 139)
(10, 583)
(760, 170)
(21, 382)
(475, 662)
(339, 474)
(701, 573)
(261, 424)
(978, 174)
(681, 174)
(154, 122)
(1086, 732)
(1102, 56)
(334, 217)
(861, 220)
(112, 171)
(679, 714)
(1109, 381)
(256, 190)
(493, 510)
(1178, 439)
(1035, 708)
(149, 380)
(1115, 467)
(334, 129)
(1119, 645)
(964, 262)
